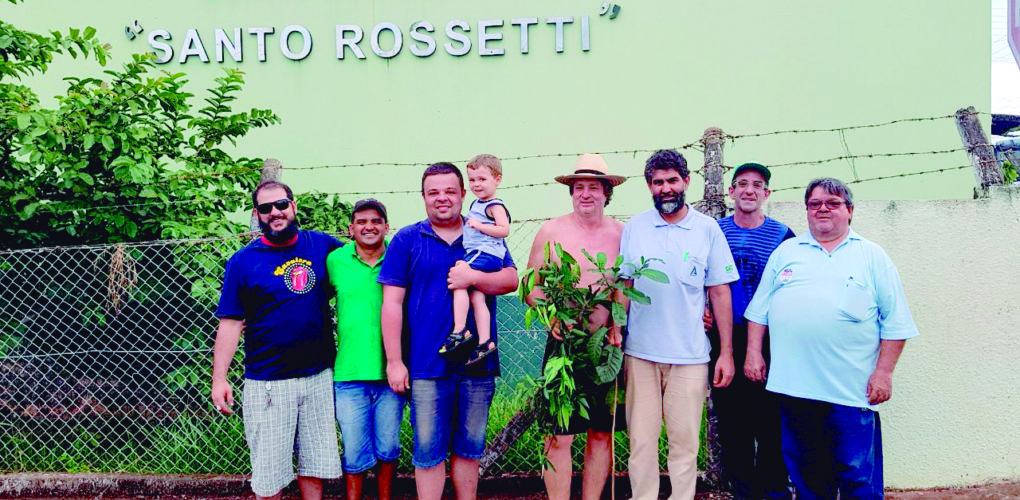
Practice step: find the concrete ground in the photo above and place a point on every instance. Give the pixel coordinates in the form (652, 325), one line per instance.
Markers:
(41, 486)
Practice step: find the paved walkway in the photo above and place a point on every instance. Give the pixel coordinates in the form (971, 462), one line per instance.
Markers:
(41, 486)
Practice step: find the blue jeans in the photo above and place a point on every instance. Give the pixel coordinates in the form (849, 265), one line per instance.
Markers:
(829, 447)
(369, 414)
(454, 405)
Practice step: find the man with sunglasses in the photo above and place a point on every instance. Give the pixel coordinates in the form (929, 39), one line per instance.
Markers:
(837, 319)
(275, 291)
(752, 455)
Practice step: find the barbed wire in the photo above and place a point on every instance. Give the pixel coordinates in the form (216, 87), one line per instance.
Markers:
(248, 170)
(249, 235)
(691, 145)
(868, 155)
(885, 177)
(633, 152)
(190, 176)
(54, 208)
(183, 176)
(245, 197)
(135, 244)
(837, 129)
(527, 185)
(699, 172)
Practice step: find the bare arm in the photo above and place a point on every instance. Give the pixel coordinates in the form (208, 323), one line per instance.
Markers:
(722, 310)
(536, 259)
(498, 283)
(880, 383)
(501, 226)
(616, 334)
(754, 365)
(227, 336)
(392, 321)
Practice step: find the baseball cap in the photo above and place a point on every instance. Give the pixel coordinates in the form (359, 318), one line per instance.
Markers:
(370, 203)
(753, 167)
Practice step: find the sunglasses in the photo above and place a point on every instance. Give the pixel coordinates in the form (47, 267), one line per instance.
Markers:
(267, 208)
(831, 204)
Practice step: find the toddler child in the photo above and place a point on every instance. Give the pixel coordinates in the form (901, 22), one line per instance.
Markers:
(488, 222)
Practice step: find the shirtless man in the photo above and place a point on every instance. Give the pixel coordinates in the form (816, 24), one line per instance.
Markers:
(589, 228)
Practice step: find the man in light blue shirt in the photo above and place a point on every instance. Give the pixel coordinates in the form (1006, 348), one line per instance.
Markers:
(837, 320)
(667, 351)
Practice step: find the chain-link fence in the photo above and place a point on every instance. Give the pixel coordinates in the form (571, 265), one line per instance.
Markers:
(105, 355)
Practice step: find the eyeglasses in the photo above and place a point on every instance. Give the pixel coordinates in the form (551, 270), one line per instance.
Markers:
(267, 208)
(831, 204)
(742, 184)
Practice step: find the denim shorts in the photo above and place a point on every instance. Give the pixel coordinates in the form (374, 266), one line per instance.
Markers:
(447, 412)
(369, 414)
(481, 261)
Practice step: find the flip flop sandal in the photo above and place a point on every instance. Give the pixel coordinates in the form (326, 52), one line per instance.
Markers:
(484, 350)
(456, 343)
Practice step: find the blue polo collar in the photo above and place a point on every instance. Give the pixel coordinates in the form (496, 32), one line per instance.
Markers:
(425, 228)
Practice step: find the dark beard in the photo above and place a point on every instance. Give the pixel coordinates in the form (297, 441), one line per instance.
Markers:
(282, 236)
(670, 206)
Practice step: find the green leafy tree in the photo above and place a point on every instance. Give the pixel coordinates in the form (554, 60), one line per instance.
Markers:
(120, 158)
(324, 212)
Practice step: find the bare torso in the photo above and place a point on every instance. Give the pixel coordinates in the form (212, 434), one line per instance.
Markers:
(596, 235)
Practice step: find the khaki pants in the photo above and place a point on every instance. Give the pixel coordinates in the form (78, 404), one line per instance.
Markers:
(676, 393)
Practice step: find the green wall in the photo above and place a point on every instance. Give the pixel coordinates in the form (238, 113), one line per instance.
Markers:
(655, 76)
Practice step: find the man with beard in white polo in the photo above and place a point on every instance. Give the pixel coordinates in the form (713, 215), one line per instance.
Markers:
(667, 350)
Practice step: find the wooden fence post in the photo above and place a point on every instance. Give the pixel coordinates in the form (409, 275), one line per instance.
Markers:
(987, 171)
(713, 204)
(272, 170)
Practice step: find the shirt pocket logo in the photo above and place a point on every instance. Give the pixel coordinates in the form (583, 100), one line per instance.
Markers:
(692, 273)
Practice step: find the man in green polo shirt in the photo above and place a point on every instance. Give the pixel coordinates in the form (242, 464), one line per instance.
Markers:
(368, 411)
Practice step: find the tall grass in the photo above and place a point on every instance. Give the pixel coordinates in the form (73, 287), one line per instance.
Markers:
(183, 446)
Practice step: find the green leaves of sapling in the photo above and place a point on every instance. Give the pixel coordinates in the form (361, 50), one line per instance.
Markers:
(583, 360)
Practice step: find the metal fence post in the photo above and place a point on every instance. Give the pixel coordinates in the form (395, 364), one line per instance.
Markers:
(272, 170)
(987, 171)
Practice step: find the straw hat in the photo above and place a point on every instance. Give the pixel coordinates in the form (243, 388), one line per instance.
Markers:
(591, 166)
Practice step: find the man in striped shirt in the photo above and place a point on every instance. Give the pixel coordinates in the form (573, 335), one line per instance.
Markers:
(751, 446)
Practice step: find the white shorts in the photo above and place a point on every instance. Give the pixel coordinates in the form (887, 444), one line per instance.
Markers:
(275, 412)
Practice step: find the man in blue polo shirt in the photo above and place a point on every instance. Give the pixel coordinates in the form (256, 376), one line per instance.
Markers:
(837, 320)
(449, 402)
(275, 291)
(750, 437)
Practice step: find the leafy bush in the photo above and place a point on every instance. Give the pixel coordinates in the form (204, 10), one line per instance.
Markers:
(122, 158)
